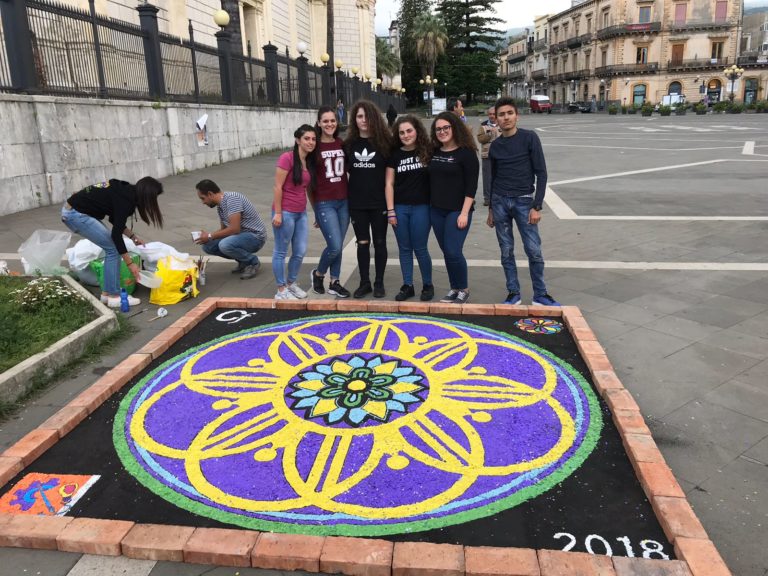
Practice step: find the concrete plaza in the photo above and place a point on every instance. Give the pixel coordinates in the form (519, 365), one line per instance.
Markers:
(656, 227)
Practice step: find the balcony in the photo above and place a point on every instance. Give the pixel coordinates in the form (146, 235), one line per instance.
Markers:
(577, 74)
(540, 45)
(518, 57)
(515, 74)
(559, 47)
(628, 29)
(699, 64)
(539, 74)
(753, 61)
(557, 77)
(622, 69)
(572, 43)
(689, 26)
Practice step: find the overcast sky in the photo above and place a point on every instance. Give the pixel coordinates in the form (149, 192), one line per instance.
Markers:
(514, 12)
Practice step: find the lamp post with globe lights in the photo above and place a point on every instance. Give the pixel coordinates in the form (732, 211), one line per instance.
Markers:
(224, 44)
(733, 73)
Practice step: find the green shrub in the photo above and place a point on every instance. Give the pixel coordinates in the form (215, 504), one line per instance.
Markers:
(613, 110)
(720, 107)
(701, 108)
(762, 106)
(736, 108)
(646, 109)
(665, 110)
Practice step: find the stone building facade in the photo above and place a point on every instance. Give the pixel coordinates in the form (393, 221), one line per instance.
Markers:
(633, 51)
(284, 23)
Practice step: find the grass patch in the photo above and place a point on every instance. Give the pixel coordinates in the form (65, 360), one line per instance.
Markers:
(27, 331)
(94, 352)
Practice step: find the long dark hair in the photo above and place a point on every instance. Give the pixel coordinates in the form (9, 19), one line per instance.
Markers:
(147, 191)
(319, 129)
(296, 175)
(461, 134)
(423, 145)
(377, 129)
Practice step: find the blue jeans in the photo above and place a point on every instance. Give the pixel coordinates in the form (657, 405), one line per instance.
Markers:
(486, 180)
(507, 209)
(95, 231)
(294, 231)
(412, 233)
(333, 218)
(240, 247)
(451, 240)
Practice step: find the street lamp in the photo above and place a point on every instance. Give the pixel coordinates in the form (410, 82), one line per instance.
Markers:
(221, 17)
(733, 73)
(355, 70)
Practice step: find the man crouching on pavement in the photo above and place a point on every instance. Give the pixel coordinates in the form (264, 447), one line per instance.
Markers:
(242, 231)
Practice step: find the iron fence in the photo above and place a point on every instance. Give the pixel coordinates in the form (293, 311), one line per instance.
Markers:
(50, 48)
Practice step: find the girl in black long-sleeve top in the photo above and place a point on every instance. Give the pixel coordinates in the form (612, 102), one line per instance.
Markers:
(453, 174)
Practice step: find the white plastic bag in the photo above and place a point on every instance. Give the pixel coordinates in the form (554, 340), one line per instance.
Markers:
(42, 252)
(85, 252)
(151, 252)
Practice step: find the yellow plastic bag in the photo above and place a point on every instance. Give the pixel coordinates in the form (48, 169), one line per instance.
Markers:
(179, 281)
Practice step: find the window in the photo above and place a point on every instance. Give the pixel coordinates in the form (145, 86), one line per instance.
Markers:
(677, 53)
(586, 61)
(721, 11)
(638, 94)
(606, 18)
(717, 50)
(680, 13)
(675, 88)
(645, 14)
(574, 63)
(642, 55)
(576, 28)
(589, 24)
(604, 58)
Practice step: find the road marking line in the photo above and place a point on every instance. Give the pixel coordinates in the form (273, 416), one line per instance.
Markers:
(558, 206)
(749, 148)
(643, 171)
(656, 149)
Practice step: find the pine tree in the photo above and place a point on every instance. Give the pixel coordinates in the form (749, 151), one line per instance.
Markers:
(411, 72)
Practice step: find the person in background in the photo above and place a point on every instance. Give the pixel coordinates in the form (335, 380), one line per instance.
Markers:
(294, 180)
(453, 173)
(487, 132)
(367, 146)
(340, 110)
(329, 201)
(407, 194)
(391, 115)
(242, 232)
(457, 107)
(117, 201)
(519, 180)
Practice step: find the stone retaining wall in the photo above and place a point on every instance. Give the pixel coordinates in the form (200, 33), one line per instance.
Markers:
(51, 147)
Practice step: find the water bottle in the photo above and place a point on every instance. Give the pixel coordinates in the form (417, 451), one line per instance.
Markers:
(124, 305)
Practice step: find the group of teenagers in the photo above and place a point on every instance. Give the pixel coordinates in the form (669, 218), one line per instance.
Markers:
(415, 180)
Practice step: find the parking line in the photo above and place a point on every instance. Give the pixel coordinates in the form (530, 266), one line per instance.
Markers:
(749, 148)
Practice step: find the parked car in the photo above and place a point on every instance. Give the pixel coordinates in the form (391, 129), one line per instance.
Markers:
(540, 103)
(583, 107)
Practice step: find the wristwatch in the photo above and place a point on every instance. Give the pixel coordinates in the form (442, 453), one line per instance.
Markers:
(537, 208)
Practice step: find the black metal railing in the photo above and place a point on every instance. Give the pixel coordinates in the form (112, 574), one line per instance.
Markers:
(698, 64)
(540, 44)
(50, 48)
(618, 69)
(689, 25)
(539, 74)
(627, 29)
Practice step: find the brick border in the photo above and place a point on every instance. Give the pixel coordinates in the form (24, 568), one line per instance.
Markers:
(697, 554)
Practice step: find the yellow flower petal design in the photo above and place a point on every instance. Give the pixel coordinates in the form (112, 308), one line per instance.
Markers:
(324, 406)
(378, 409)
(385, 368)
(402, 387)
(341, 367)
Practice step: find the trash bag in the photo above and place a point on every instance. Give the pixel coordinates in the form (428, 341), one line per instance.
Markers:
(42, 252)
(152, 252)
(179, 281)
(127, 280)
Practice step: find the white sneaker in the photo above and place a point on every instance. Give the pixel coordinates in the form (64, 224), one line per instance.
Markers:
(296, 290)
(285, 295)
(114, 301)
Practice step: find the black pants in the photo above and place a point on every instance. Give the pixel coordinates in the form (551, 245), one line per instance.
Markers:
(366, 224)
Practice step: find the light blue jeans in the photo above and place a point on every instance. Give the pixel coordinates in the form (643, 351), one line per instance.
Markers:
(412, 233)
(294, 231)
(95, 231)
(333, 218)
(508, 209)
(239, 247)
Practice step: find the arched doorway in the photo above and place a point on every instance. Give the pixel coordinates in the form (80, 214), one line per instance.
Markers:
(638, 94)
(750, 90)
(714, 90)
(675, 88)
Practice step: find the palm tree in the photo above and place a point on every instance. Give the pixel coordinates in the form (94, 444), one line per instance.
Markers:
(430, 41)
(387, 63)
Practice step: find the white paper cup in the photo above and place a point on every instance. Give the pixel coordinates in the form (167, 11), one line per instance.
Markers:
(196, 234)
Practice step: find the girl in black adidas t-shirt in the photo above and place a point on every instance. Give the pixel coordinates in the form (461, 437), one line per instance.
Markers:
(367, 146)
(407, 193)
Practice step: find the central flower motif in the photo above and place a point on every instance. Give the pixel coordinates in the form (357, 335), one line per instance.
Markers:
(355, 390)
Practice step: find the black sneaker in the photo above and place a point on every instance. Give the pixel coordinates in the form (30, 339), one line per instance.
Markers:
(362, 290)
(512, 298)
(462, 297)
(406, 291)
(336, 289)
(378, 290)
(239, 268)
(317, 282)
(427, 293)
(450, 297)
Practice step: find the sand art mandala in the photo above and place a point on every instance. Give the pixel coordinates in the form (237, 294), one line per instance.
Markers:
(357, 424)
(539, 325)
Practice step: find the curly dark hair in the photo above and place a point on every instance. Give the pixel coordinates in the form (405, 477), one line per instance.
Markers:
(423, 145)
(461, 134)
(378, 131)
